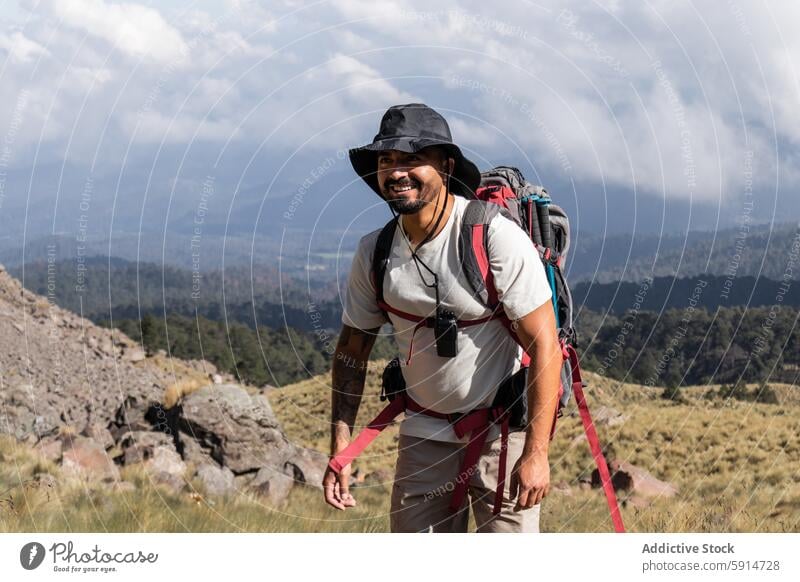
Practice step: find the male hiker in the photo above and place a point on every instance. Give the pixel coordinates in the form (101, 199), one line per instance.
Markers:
(454, 355)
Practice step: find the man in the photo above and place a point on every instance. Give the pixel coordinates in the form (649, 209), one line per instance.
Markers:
(413, 164)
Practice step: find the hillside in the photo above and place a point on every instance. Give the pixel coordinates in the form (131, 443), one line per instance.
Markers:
(86, 408)
(748, 250)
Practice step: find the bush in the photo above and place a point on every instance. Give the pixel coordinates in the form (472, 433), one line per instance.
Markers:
(766, 395)
(674, 394)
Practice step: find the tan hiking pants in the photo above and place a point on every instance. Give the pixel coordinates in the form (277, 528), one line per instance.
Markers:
(426, 474)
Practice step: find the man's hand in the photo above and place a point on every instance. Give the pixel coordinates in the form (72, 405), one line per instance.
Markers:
(337, 492)
(530, 480)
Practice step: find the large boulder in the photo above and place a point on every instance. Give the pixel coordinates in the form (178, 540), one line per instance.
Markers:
(307, 466)
(166, 467)
(238, 430)
(272, 484)
(216, 480)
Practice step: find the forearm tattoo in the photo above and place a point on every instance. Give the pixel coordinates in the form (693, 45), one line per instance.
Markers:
(348, 376)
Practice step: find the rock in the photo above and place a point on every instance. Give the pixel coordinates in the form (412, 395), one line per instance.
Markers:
(99, 433)
(381, 476)
(134, 354)
(216, 379)
(307, 466)
(50, 448)
(166, 467)
(605, 415)
(627, 477)
(272, 485)
(132, 414)
(28, 412)
(238, 430)
(192, 452)
(85, 458)
(156, 452)
(216, 480)
(140, 446)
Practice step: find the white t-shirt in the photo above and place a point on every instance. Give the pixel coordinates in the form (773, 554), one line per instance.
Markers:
(486, 353)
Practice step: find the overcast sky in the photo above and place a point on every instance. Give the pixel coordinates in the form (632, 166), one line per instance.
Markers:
(614, 104)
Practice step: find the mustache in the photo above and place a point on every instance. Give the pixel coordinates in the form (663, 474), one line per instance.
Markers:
(404, 182)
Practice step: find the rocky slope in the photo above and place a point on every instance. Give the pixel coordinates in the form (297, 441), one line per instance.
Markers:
(91, 400)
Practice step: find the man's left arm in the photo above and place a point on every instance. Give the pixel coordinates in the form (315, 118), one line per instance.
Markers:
(530, 481)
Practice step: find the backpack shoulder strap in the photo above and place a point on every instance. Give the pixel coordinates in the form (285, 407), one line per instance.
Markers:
(473, 249)
(380, 258)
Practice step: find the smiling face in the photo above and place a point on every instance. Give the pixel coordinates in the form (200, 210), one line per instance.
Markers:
(408, 181)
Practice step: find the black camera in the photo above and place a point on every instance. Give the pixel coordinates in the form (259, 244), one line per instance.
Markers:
(445, 328)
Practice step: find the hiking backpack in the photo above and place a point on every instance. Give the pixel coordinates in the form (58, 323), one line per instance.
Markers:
(502, 190)
(547, 225)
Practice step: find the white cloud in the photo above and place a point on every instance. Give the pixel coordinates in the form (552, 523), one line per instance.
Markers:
(136, 30)
(20, 48)
(571, 85)
(363, 82)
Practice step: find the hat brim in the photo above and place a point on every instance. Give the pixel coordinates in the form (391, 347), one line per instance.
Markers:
(465, 178)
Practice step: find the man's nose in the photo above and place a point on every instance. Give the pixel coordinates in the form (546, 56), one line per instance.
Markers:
(398, 171)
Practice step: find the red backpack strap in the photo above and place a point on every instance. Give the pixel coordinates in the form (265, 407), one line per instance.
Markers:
(591, 436)
(473, 250)
(473, 247)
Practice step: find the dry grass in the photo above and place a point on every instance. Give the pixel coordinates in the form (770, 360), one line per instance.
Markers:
(736, 464)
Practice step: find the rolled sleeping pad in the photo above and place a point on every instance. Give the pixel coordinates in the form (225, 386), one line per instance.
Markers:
(543, 213)
(533, 223)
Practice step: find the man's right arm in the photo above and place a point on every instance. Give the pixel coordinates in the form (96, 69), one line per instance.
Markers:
(348, 375)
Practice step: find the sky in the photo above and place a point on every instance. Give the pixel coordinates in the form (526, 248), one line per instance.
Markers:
(647, 116)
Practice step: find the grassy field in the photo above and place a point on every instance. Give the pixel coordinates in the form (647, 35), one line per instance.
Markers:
(736, 465)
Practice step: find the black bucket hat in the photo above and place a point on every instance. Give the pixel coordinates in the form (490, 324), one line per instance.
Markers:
(409, 128)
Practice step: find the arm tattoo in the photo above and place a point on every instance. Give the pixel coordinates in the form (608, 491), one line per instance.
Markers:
(348, 376)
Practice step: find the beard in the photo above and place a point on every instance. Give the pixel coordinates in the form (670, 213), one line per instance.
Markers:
(403, 205)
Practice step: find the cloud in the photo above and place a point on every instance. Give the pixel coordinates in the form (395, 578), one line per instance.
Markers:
(661, 97)
(20, 48)
(363, 82)
(136, 30)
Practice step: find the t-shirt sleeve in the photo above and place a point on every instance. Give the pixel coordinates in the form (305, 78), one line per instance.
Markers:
(518, 271)
(361, 309)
